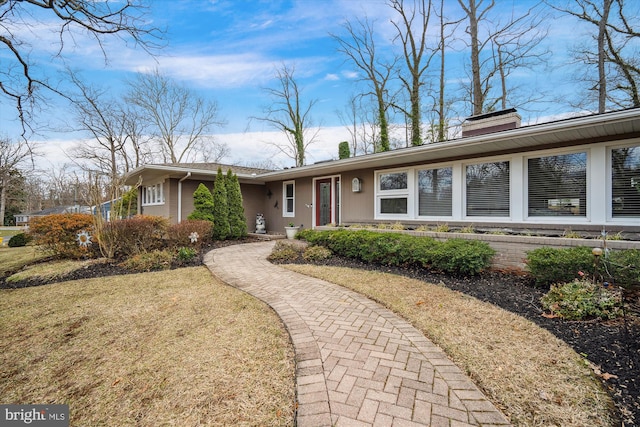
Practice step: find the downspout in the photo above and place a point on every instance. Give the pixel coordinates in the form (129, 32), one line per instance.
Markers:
(180, 196)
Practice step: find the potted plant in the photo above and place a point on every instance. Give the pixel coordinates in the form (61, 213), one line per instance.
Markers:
(291, 230)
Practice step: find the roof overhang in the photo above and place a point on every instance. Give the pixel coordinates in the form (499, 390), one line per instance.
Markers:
(618, 125)
(591, 129)
(156, 173)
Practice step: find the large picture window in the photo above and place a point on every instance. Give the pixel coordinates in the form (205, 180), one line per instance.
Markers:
(487, 187)
(557, 185)
(289, 198)
(434, 192)
(153, 195)
(625, 181)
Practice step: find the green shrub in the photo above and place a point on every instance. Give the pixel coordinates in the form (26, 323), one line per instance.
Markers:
(453, 256)
(285, 252)
(180, 234)
(221, 228)
(581, 299)
(149, 261)
(316, 253)
(19, 240)
(237, 219)
(202, 204)
(132, 236)
(186, 255)
(551, 265)
(624, 266)
(58, 234)
(466, 257)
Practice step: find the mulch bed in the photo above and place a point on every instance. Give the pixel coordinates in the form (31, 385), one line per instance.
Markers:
(613, 347)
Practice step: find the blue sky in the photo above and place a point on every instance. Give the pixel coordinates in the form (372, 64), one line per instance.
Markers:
(228, 51)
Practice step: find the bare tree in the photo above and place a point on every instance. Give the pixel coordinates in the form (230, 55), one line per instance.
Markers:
(412, 32)
(359, 47)
(500, 50)
(178, 118)
(12, 155)
(20, 80)
(348, 116)
(438, 129)
(359, 118)
(290, 114)
(615, 56)
(103, 119)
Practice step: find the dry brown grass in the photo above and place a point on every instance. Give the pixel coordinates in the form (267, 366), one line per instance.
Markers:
(49, 270)
(12, 259)
(536, 379)
(169, 348)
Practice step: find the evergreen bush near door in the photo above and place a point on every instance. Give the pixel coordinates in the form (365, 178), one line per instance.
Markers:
(203, 204)
(220, 208)
(237, 220)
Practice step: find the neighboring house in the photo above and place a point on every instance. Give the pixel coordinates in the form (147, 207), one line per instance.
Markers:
(581, 173)
(22, 219)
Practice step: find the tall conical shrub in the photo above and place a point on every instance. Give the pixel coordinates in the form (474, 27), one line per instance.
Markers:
(220, 208)
(237, 220)
(203, 204)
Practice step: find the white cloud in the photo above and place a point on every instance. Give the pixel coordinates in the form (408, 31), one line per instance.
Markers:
(332, 77)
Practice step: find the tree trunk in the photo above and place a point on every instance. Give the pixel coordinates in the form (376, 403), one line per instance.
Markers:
(384, 126)
(441, 119)
(602, 78)
(477, 97)
(3, 198)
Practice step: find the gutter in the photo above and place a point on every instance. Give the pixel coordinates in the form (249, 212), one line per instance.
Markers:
(180, 196)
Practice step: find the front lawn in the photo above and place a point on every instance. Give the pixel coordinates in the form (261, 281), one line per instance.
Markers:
(168, 348)
(13, 259)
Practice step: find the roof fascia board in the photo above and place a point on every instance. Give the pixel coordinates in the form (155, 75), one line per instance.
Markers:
(565, 126)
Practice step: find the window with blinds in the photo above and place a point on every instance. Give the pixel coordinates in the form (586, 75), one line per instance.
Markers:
(487, 189)
(557, 185)
(434, 192)
(625, 182)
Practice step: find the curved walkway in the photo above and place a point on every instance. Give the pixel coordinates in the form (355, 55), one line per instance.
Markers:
(357, 363)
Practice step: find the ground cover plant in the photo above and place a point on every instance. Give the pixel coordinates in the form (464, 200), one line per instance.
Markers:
(169, 348)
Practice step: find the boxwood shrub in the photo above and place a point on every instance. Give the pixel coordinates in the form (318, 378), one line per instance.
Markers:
(552, 265)
(455, 256)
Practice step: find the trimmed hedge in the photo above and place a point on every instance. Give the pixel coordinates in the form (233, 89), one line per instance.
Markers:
(551, 265)
(456, 256)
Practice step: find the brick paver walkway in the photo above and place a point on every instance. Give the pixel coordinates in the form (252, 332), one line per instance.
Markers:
(357, 363)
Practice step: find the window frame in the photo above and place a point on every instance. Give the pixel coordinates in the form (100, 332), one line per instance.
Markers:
(158, 194)
(487, 218)
(403, 193)
(285, 211)
(609, 172)
(557, 218)
(416, 175)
